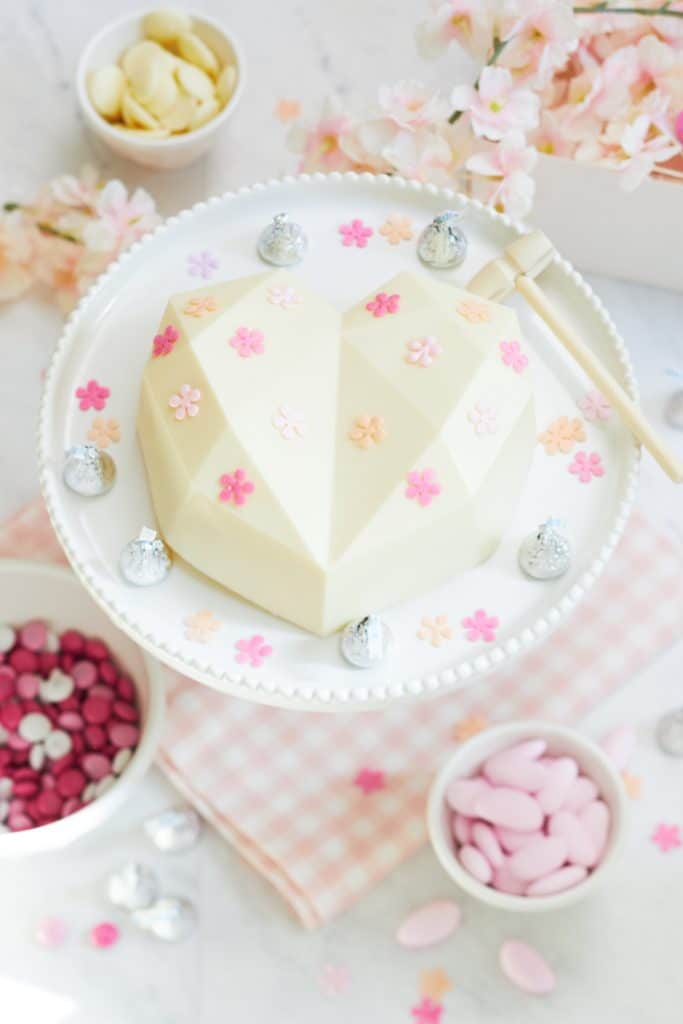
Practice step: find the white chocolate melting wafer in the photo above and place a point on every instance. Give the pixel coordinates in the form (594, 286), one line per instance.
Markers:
(165, 26)
(105, 88)
(195, 50)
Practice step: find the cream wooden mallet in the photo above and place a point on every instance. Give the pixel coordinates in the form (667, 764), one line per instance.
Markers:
(517, 269)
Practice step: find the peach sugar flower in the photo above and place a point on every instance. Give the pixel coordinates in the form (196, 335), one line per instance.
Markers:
(104, 432)
(367, 431)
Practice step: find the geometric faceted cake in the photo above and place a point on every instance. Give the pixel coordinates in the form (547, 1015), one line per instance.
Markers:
(325, 464)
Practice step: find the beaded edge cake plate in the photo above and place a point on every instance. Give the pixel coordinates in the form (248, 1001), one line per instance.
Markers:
(193, 625)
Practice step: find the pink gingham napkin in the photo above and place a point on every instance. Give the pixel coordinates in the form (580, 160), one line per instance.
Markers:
(280, 786)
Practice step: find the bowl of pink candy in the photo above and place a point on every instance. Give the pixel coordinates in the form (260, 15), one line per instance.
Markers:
(527, 816)
(80, 710)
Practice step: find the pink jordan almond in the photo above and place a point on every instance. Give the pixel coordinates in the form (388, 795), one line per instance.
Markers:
(514, 768)
(462, 828)
(557, 881)
(429, 925)
(595, 818)
(474, 862)
(580, 845)
(539, 858)
(525, 967)
(510, 808)
(511, 840)
(560, 775)
(581, 792)
(619, 746)
(462, 794)
(505, 881)
(484, 838)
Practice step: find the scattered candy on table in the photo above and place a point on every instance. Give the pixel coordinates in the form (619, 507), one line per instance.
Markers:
(528, 823)
(69, 723)
(429, 924)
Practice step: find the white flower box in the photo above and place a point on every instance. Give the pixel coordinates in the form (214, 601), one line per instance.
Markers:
(601, 228)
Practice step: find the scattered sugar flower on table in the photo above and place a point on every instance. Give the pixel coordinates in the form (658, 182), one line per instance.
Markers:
(422, 486)
(512, 355)
(632, 785)
(247, 341)
(164, 342)
(480, 626)
(484, 418)
(286, 298)
(434, 984)
(423, 351)
(356, 233)
(289, 422)
(92, 396)
(435, 631)
(104, 432)
(367, 431)
(382, 304)
(595, 407)
(235, 487)
(202, 264)
(562, 435)
(200, 305)
(186, 402)
(334, 979)
(666, 837)
(469, 726)
(287, 110)
(427, 1011)
(474, 312)
(370, 780)
(397, 229)
(252, 650)
(200, 626)
(587, 465)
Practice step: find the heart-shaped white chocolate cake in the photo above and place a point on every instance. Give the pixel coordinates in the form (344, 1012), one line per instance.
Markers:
(325, 465)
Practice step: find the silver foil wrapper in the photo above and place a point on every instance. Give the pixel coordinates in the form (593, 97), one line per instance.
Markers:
(170, 918)
(670, 733)
(133, 887)
(366, 642)
(674, 411)
(88, 470)
(174, 830)
(546, 553)
(443, 244)
(145, 560)
(283, 242)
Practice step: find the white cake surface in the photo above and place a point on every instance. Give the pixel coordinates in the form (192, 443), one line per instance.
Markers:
(325, 464)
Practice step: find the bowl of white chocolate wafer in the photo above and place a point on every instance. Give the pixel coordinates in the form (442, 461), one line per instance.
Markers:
(157, 86)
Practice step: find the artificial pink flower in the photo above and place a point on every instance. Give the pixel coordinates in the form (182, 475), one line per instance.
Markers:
(470, 23)
(164, 342)
(507, 165)
(480, 626)
(16, 253)
(383, 304)
(355, 233)
(422, 486)
(512, 355)
(92, 396)
(645, 142)
(497, 106)
(321, 143)
(423, 351)
(235, 487)
(186, 402)
(410, 105)
(540, 37)
(424, 154)
(78, 192)
(586, 466)
(247, 341)
(252, 650)
(121, 219)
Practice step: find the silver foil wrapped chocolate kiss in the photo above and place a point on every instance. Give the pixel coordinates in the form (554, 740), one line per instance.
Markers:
(670, 733)
(175, 829)
(145, 560)
(133, 887)
(170, 918)
(283, 242)
(366, 642)
(546, 553)
(443, 244)
(88, 470)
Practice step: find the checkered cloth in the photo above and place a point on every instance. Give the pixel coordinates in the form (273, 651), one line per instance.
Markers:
(279, 785)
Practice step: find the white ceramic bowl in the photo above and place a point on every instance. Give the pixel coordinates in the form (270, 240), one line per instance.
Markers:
(31, 590)
(592, 761)
(160, 154)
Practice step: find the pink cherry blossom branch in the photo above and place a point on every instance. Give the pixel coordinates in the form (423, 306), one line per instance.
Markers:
(498, 47)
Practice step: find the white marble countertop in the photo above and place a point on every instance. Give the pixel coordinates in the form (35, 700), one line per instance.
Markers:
(618, 956)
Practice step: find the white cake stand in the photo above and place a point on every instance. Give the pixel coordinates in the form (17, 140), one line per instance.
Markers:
(108, 339)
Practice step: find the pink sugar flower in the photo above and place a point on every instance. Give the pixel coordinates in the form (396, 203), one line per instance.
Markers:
(595, 407)
(235, 487)
(356, 233)
(92, 396)
(427, 1011)
(498, 105)
(667, 837)
(480, 626)
(383, 304)
(247, 342)
(422, 351)
(185, 402)
(512, 355)
(423, 486)
(164, 342)
(252, 650)
(370, 780)
(587, 465)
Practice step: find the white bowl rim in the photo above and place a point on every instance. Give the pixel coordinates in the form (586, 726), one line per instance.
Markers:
(63, 831)
(516, 731)
(173, 141)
